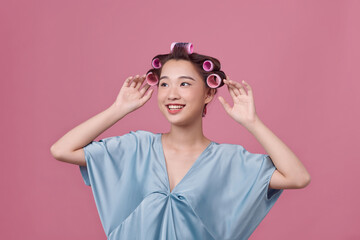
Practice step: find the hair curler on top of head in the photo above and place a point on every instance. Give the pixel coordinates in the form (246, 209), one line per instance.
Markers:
(208, 67)
(188, 46)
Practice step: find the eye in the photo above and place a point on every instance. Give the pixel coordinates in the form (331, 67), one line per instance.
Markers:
(184, 84)
(163, 84)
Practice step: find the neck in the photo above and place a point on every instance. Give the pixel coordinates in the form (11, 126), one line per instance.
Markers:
(189, 136)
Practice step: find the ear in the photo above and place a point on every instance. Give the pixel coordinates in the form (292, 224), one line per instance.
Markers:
(210, 93)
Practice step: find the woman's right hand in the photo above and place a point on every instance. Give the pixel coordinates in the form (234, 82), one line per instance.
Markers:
(132, 95)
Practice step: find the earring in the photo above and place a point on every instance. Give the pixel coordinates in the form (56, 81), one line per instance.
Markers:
(204, 111)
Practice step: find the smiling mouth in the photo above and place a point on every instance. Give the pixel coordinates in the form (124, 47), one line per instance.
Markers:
(175, 106)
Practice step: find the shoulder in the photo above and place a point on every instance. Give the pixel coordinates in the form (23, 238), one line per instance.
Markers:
(138, 134)
(228, 147)
(138, 137)
(143, 135)
(236, 152)
(131, 137)
(128, 142)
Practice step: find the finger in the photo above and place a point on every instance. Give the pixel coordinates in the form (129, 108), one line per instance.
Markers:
(242, 91)
(231, 91)
(144, 89)
(140, 82)
(135, 81)
(127, 81)
(225, 104)
(226, 81)
(248, 88)
(236, 90)
(235, 84)
(147, 96)
(239, 88)
(229, 83)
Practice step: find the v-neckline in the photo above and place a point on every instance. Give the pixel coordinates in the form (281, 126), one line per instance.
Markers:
(164, 162)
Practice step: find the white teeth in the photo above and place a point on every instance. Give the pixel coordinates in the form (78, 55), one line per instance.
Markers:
(175, 107)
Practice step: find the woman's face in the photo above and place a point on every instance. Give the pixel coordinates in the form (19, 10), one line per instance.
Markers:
(182, 93)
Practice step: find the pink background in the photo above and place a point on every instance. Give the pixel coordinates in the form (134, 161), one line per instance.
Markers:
(62, 62)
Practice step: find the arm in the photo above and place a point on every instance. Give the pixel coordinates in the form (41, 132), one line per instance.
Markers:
(290, 172)
(69, 147)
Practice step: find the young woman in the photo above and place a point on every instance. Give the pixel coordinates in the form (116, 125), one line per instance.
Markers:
(180, 184)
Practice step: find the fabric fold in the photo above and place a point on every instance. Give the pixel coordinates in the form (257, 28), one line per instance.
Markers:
(224, 195)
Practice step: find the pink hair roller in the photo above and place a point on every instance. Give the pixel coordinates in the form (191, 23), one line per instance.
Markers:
(213, 80)
(188, 46)
(151, 79)
(208, 65)
(156, 63)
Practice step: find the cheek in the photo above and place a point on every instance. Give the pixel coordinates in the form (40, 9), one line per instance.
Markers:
(159, 94)
(160, 99)
(197, 96)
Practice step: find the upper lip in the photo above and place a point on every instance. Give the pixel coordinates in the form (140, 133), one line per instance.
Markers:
(177, 104)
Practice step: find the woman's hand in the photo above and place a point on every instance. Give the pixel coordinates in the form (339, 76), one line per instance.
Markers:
(132, 95)
(243, 111)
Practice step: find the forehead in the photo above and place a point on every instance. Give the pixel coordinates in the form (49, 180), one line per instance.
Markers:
(179, 67)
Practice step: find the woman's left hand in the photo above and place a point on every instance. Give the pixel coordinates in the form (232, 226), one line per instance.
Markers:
(243, 111)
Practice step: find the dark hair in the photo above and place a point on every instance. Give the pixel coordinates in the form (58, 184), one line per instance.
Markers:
(180, 53)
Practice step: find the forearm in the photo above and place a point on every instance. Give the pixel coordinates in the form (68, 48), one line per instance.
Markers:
(87, 131)
(286, 162)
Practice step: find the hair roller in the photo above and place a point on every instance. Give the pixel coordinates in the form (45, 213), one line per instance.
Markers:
(188, 46)
(151, 79)
(214, 81)
(156, 63)
(208, 65)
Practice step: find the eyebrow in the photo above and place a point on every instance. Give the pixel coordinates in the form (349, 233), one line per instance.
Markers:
(187, 77)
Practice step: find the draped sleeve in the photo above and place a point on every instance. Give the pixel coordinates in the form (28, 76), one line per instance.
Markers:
(224, 195)
(103, 159)
(238, 194)
(109, 171)
(263, 196)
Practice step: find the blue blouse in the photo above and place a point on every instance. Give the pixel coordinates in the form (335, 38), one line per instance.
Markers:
(224, 195)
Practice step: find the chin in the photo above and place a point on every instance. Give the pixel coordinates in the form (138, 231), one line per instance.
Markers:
(180, 120)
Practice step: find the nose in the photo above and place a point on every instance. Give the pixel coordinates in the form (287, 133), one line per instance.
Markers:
(173, 93)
